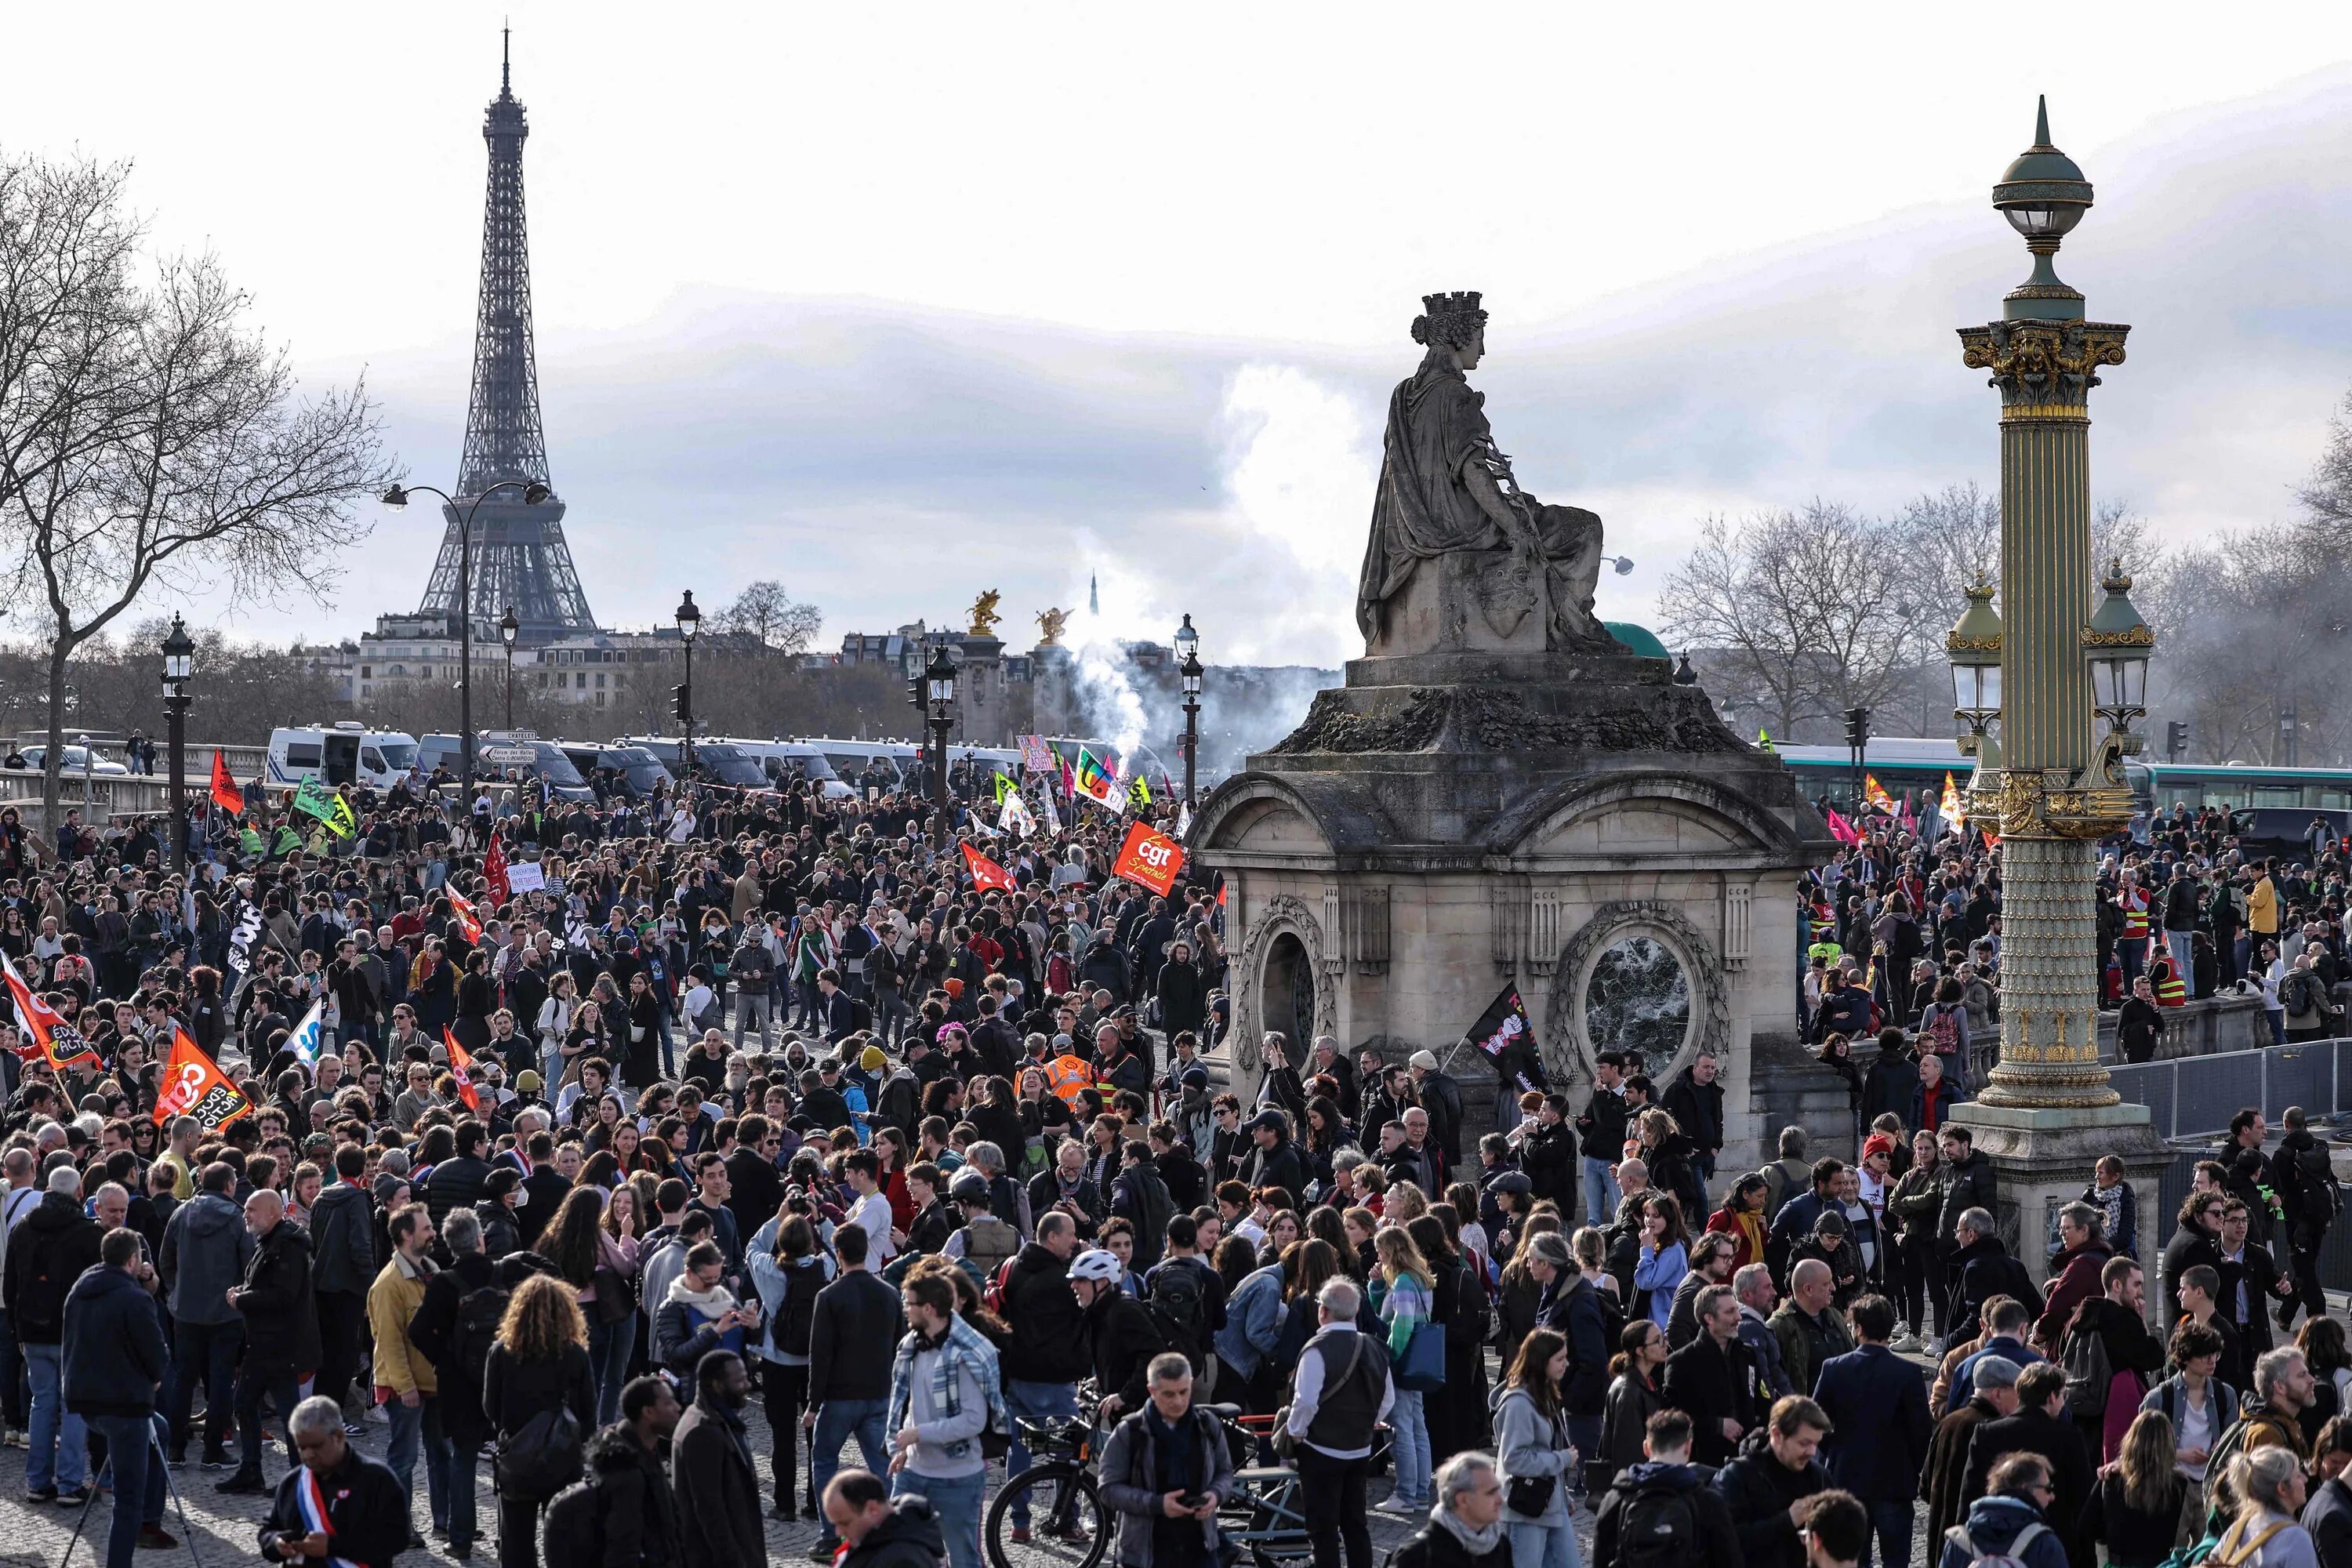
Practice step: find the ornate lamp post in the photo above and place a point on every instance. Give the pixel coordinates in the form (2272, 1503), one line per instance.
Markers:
(510, 626)
(1188, 669)
(689, 621)
(533, 493)
(940, 686)
(179, 664)
(2051, 788)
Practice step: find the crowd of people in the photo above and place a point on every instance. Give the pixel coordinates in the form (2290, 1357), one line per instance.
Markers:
(909, 1130)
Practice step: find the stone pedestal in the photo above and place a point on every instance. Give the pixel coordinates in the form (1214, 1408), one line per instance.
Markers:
(2045, 1158)
(1451, 822)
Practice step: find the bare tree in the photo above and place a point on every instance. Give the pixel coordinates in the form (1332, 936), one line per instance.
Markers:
(763, 617)
(1800, 611)
(146, 436)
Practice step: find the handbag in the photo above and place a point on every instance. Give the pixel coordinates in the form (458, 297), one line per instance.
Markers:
(1531, 1495)
(1421, 1368)
(617, 1295)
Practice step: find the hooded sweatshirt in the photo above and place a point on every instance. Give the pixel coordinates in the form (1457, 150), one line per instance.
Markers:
(206, 1250)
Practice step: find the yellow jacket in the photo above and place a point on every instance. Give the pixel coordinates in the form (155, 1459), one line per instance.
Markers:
(2262, 908)
(392, 1301)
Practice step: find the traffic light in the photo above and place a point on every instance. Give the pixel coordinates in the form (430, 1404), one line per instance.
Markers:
(2176, 740)
(915, 692)
(682, 703)
(1857, 728)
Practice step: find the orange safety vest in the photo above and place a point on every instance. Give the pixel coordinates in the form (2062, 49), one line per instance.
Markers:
(2134, 903)
(1066, 1075)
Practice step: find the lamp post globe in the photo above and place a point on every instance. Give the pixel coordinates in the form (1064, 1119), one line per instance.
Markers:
(179, 665)
(1187, 641)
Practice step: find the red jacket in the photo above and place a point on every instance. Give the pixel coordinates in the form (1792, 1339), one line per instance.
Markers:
(2073, 1279)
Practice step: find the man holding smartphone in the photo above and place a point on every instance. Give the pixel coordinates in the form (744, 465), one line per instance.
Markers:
(1164, 1470)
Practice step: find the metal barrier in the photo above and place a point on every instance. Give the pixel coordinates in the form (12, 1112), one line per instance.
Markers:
(2194, 1097)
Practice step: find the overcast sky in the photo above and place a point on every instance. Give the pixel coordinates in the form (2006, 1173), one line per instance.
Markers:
(895, 304)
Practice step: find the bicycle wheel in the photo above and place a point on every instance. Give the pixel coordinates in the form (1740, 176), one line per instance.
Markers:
(1068, 1526)
(1276, 1532)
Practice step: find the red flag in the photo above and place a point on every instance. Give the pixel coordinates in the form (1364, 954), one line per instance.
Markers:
(985, 873)
(461, 1067)
(193, 1085)
(1149, 857)
(463, 908)
(54, 1038)
(226, 794)
(494, 871)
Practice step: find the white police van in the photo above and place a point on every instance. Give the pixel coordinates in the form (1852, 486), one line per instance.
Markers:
(341, 753)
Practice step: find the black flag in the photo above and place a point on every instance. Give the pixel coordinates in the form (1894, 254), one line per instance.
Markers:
(1504, 1033)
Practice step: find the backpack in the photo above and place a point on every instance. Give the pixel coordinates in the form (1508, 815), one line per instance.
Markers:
(2087, 1375)
(1177, 1337)
(575, 1524)
(1659, 1529)
(790, 1327)
(2321, 1191)
(1944, 1030)
(543, 1456)
(2012, 1558)
(41, 1299)
(1176, 1296)
(2236, 1547)
(2295, 992)
(479, 1313)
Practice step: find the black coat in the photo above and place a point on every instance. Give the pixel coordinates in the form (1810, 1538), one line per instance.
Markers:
(2327, 1516)
(1757, 1488)
(1878, 1403)
(366, 1507)
(1548, 1157)
(113, 1353)
(1983, 1269)
(1048, 1328)
(281, 1316)
(2191, 1246)
(638, 1514)
(718, 1491)
(1430, 1547)
(2057, 1439)
(436, 1320)
(1708, 1382)
(1697, 1109)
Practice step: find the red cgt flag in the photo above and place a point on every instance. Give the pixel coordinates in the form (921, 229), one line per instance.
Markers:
(986, 874)
(461, 1067)
(51, 1036)
(494, 871)
(1149, 857)
(226, 794)
(193, 1085)
(463, 908)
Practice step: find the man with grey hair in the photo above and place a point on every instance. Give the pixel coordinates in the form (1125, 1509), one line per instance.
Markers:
(1753, 1288)
(1983, 1268)
(1340, 1389)
(366, 1511)
(1470, 1511)
(1165, 1468)
(2284, 1389)
(48, 1251)
(1007, 1199)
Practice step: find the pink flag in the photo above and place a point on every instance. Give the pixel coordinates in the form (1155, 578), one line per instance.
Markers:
(1841, 829)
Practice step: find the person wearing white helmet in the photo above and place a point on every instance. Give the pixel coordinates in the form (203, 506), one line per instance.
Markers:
(1122, 1334)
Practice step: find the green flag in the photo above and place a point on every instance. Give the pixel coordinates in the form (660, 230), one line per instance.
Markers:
(316, 799)
(341, 821)
(1763, 739)
(286, 842)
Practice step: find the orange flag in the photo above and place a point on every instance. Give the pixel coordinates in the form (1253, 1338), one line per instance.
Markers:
(463, 908)
(195, 1086)
(226, 794)
(1149, 858)
(461, 1067)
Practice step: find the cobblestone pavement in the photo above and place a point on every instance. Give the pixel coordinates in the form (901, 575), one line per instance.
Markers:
(36, 1533)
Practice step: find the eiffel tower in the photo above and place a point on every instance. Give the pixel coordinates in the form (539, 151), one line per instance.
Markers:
(519, 556)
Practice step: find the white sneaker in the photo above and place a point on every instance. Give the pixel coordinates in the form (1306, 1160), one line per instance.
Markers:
(1906, 1344)
(1936, 1348)
(1394, 1504)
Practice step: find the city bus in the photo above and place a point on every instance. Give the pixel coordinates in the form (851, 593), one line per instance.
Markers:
(1899, 762)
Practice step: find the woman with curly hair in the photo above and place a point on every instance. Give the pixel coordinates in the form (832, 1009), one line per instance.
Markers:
(538, 1364)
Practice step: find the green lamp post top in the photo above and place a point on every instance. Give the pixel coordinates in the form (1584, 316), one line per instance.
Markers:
(1976, 634)
(2043, 195)
(2117, 624)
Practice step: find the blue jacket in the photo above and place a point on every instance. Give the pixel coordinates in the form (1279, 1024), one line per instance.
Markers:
(113, 1353)
(1253, 1321)
(1963, 1377)
(1878, 1407)
(1993, 1523)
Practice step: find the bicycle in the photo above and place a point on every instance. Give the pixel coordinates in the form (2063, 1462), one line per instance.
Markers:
(1070, 1526)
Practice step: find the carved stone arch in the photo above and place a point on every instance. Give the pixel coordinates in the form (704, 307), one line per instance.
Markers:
(1280, 917)
(1738, 826)
(1569, 1050)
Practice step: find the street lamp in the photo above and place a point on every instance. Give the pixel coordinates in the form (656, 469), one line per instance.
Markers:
(2046, 668)
(510, 626)
(1621, 564)
(1683, 674)
(1973, 645)
(1188, 645)
(689, 621)
(179, 664)
(533, 493)
(940, 686)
